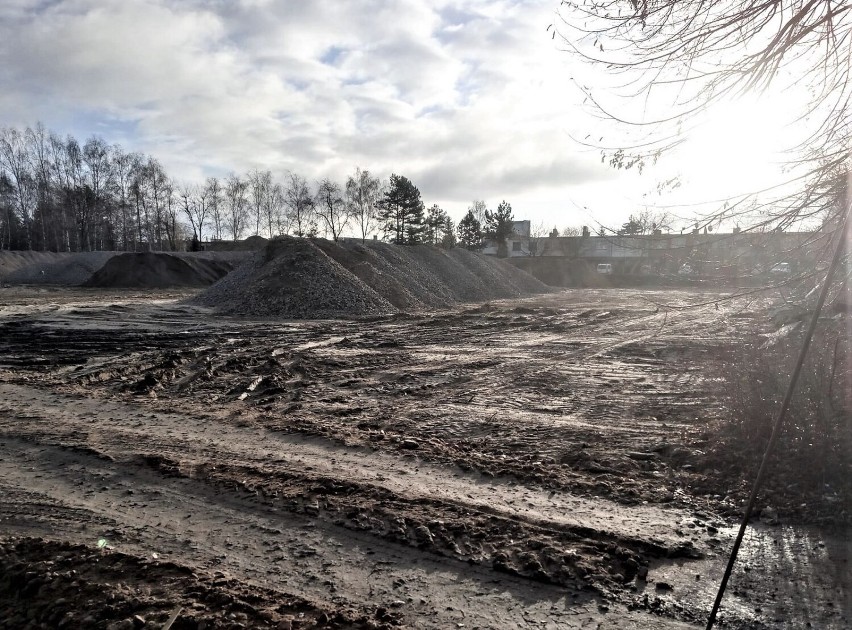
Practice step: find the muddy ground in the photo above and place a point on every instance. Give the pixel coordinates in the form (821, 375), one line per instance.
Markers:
(532, 463)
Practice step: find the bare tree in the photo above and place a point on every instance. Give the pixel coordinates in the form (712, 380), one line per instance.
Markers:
(331, 208)
(124, 165)
(652, 220)
(259, 187)
(195, 206)
(679, 57)
(79, 203)
(236, 205)
(539, 229)
(99, 180)
(363, 193)
(15, 161)
(299, 203)
(62, 227)
(213, 194)
(173, 230)
(160, 188)
(273, 211)
(38, 148)
(8, 220)
(571, 230)
(478, 208)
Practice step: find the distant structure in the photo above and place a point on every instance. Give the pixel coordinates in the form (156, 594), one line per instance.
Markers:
(518, 243)
(706, 253)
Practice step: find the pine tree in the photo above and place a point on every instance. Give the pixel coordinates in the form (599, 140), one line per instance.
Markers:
(402, 214)
(436, 224)
(470, 232)
(499, 225)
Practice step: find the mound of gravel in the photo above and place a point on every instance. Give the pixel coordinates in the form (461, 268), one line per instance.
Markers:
(64, 268)
(69, 269)
(159, 270)
(298, 278)
(12, 261)
(293, 278)
(392, 272)
(421, 276)
(498, 278)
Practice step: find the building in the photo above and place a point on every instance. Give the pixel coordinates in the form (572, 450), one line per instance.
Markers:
(518, 244)
(571, 260)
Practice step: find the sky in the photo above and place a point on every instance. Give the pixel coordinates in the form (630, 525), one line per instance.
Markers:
(469, 99)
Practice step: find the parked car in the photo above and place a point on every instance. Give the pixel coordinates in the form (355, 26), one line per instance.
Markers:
(604, 268)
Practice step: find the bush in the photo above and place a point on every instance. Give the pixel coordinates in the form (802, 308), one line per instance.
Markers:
(810, 474)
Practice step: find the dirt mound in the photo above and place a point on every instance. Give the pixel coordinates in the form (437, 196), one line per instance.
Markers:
(159, 270)
(294, 279)
(298, 278)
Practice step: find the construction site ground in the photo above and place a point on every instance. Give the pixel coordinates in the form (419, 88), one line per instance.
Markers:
(525, 463)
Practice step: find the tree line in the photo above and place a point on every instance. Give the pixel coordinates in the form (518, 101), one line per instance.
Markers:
(59, 195)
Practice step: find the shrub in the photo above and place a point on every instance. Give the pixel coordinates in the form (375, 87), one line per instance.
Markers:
(810, 474)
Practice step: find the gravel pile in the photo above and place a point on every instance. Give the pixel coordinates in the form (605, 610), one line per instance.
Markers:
(72, 269)
(298, 278)
(498, 278)
(235, 257)
(12, 261)
(421, 276)
(64, 268)
(158, 270)
(77, 268)
(393, 272)
(292, 278)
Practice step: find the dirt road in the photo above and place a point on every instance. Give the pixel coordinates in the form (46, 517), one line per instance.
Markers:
(513, 465)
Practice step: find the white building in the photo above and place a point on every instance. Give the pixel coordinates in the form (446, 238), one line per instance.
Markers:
(518, 244)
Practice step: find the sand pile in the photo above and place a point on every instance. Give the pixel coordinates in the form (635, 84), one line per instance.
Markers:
(159, 270)
(299, 278)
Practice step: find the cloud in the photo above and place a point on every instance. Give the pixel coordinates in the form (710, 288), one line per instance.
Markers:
(467, 98)
(456, 181)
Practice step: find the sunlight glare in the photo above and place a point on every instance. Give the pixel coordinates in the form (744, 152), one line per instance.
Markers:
(737, 148)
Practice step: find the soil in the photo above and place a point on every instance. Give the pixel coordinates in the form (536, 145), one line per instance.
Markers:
(158, 270)
(526, 463)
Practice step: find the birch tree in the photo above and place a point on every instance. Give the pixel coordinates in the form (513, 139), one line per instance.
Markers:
(363, 194)
(299, 203)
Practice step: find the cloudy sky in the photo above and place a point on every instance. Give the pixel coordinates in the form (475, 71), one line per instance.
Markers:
(469, 99)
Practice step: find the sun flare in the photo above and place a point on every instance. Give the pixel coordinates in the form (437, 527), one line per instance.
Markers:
(738, 147)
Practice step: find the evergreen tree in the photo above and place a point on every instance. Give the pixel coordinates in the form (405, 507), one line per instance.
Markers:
(633, 226)
(449, 239)
(499, 226)
(470, 232)
(436, 225)
(402, 214)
